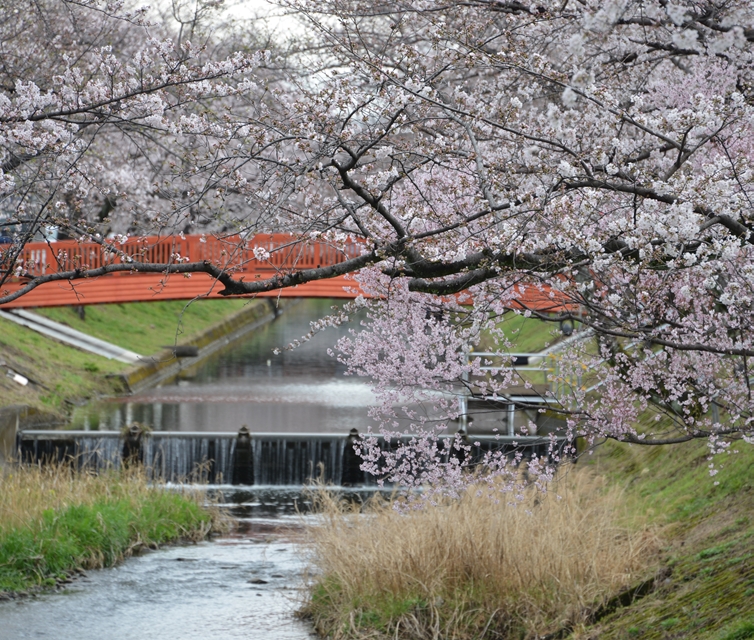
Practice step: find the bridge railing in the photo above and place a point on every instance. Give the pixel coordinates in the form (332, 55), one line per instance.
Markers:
(280, 252)
(255, 257)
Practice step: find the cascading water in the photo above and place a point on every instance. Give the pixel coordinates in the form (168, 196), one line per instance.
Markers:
(238, 459)
(216, 458)
(290, 461)
(199, 457)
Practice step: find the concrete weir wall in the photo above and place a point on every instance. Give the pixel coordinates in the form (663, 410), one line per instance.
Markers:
(17, 417)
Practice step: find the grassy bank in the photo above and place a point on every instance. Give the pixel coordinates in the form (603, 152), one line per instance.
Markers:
(588, 567)
(526, 335)
(146, 327)
(62, 375)
(54, 523)
(475, 568)
(706, 585)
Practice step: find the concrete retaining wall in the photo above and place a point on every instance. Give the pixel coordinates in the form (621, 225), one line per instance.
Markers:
(17, 417)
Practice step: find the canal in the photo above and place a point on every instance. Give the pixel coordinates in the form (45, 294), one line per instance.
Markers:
(248, 383)
(249, 583)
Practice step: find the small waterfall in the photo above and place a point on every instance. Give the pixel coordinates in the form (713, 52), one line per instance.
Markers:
(216, 458)
(174, 457)
(285, 460)
(97, 452)
(243, 458)
(87, 450)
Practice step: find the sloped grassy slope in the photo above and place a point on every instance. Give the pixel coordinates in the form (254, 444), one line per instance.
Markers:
(146, 327)
(705, 585)
(62, 374)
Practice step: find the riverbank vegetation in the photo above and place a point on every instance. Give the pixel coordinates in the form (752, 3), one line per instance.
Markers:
(475, 567)
(62, 376)
(704, 586)
(644, 544)
(147, 327)
(55, 523)
(525, 334)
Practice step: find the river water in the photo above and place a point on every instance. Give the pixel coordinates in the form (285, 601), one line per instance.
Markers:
(245, 585)
(299, 390)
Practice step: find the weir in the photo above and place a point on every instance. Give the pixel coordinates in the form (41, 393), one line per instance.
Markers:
(243, 458)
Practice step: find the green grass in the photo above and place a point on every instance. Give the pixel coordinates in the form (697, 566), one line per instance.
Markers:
(55, 522)
(59, 373)
(146, 327)
(707, 588)
(62, 374)
(92, 536)
(739, 631)
(527, 335)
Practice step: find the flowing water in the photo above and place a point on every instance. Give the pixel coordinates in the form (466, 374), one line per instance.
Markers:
(246, 585)
(243, 586)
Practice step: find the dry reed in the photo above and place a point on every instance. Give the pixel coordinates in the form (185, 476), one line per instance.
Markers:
(474, 567)
(28, 491)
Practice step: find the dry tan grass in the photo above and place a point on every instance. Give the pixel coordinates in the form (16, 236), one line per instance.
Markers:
(475, 568)
(28, 491)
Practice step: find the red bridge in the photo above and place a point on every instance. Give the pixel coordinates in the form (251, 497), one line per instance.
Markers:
(260, 257)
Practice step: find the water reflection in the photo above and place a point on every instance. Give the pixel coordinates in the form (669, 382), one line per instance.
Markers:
(254, 504)
(296, 390)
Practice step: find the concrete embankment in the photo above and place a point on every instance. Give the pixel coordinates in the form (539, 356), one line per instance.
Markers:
(19, 416)
(168, 364)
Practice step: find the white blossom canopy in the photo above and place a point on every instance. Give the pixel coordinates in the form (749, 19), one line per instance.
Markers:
(600, 149)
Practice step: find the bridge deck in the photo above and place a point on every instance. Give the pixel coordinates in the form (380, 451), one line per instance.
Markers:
(282, 253)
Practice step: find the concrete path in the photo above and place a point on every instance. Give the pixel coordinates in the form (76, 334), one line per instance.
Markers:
(70, 336)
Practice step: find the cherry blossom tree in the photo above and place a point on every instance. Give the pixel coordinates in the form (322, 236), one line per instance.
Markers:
(596, 153)
(108, 117)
